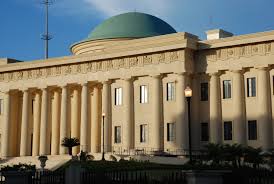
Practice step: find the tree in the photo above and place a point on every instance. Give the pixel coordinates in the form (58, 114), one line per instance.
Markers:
(70, 143)
(233, 153)
(253, 156)
(214, 153)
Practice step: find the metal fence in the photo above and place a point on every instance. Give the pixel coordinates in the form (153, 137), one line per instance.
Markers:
(48, 177)
(134, 177)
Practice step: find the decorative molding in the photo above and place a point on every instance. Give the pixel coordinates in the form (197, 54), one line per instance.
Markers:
(94, 66)
(214, 55)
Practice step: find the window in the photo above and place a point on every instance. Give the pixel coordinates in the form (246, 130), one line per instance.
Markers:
(171, 132)
(252, 130)
(204, 91)
(1, 106)
(228, 130)
(118, 96)
(204, 132)
(143, 133)
(251, 87)
(117, 134)
(170, 91)
(143, 94)
(226, 89)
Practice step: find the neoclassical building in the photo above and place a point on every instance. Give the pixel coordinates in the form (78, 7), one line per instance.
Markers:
(134, 68)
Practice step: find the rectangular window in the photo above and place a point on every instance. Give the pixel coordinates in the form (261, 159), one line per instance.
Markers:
(204, 132)
(204, 91)
(170, 91)
(143, 133)
(1, 106)
(252, 130)
(143, 94)
(227, 130)
(226, 89)
(273, 84)
(171, 132)
(251, 87)
(118, 96)
(117, 134)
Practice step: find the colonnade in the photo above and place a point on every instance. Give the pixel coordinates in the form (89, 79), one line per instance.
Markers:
(239, 108)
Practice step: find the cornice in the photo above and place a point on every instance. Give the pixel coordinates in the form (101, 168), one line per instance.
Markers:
(237, 40)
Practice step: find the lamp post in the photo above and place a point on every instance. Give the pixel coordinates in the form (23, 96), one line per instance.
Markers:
(103, 151)
(188, 95)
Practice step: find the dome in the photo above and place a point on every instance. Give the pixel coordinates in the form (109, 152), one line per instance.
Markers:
(131, 25)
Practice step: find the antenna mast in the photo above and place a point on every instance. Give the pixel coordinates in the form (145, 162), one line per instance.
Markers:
(47, 36)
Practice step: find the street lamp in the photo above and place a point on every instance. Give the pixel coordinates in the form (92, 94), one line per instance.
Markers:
(103, 151)
(188, 95)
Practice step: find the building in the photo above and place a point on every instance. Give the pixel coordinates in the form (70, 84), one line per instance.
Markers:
(134, 68)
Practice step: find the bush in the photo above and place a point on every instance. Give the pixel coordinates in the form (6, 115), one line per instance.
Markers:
(19, 167)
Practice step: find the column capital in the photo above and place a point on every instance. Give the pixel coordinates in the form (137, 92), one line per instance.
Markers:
(106, 82)
(156, 75)
(240, 71)
(130, 79)
(217, 74)
(182, 73)
(264, 68)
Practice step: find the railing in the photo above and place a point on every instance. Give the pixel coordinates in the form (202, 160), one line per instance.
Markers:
(48, 177)
(152, 151)
(134, 177)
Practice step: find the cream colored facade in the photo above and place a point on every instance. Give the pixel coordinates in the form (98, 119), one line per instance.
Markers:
(44, 101)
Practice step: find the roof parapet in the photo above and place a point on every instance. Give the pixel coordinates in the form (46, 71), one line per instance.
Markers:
(217, 34)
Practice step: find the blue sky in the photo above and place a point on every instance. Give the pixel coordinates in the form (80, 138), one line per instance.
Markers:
(22, 21)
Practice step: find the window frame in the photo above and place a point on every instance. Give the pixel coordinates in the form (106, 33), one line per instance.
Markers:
(227, 89)
(228, 136)
(204, 96)
(203, 137)
(118, 96)
(143, 94)
(143, 133)
(251, 87)
(171, 132)
(117, 136)
(170, 91)
(250, 135)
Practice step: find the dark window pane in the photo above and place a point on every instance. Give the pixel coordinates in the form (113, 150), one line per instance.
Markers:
(227, 130)
(170, 132)
(204, 91)
(204, 132)
(251, 87)
(252, 130)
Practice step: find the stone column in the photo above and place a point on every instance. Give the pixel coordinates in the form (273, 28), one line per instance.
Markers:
(95, 123)
(84, 118)
(63, 119)
(239, 108)
(6, 128)
(195, 119)
(156, 138)
(55, 123)
(24, 125)
(75, 123)
(128, 138)
(106, 105)
(44, 122)
(181, 131)
(264, 109)
(215, 112)
(36, 124)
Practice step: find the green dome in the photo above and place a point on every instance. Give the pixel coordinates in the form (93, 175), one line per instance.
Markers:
(131, 25)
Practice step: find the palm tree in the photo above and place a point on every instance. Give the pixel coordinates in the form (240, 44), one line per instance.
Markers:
(233, 153)
(253, 156)
(69, 143)
(214, 153)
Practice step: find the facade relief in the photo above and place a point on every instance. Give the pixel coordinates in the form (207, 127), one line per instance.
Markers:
(95, 66)
(214, 55)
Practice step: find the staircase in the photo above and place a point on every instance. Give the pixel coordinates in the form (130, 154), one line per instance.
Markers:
(53, 162)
